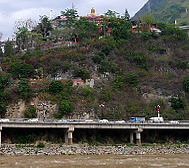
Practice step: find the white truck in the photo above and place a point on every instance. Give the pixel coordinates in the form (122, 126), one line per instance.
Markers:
(157, 119)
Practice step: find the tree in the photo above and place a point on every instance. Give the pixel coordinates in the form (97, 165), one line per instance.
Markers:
(8, 49)
(171, 30)
(25, 38)
(22, 38)
(4, 81)
(1, 52)
(21, 70)
(65, 107)
(132, 79)
(186, 84)
(44, 25)
(55, 86)
(126, 15)
(29, 24)
(30, 112)
(83, 73)
(120, 28)
(23, 88)
(178, 103)
(71, 16)
(110, 13)
(85, 29)
(147, 20)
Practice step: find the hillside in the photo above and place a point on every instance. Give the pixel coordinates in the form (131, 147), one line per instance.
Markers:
(167, 10)
(117, 76)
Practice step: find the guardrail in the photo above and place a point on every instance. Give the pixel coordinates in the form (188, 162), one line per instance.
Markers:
(26, 120)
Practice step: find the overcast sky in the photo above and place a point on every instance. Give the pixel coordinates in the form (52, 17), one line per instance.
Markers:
(13, 10)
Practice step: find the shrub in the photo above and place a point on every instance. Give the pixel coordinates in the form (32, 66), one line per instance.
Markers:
(182, 64)
(106, 50)
(132, 79)
(101, 54)
(97, 59)
(65, 107)
(108, 66)
(156, 49)
(40, 145)
(58, 115)
(106, 95)
(30, 112)
(55, 86)
(184, 23)
(24, 138)
(26, 56)
(118, 83)
(86, 91)
(146, 35)
(83, 73)
(29, 139)
(178, 103)
(24, 88)
(186, 84)
(21, 70)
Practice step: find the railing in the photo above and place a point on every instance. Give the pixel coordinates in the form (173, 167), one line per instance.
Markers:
(95, 121)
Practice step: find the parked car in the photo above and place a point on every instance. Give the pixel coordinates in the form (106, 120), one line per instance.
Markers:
(62, 121)
(89, 121)
(156, 119)
(104, 121)
(48, 120)
(74, 120)
(4, 120)
(120, 122)
(174, 122)
(33, 120)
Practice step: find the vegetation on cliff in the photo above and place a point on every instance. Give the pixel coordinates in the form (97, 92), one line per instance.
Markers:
(167, 11)
(133, 72)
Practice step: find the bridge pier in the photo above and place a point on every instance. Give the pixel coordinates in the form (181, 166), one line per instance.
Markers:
(68, 135)
(138, 137)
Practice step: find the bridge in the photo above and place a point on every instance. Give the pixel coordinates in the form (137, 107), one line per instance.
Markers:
(68, 128)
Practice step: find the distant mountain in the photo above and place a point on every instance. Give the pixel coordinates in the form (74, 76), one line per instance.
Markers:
(167, 10)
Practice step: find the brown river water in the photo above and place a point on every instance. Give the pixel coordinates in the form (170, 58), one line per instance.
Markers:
(96, 161)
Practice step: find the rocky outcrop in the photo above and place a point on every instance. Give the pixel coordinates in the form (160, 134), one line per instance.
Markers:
(43, 108)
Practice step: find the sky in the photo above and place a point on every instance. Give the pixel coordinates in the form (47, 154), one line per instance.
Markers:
(14, 10)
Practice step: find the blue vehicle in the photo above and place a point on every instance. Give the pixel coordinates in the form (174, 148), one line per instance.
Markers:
(62, 121)
(135, 119)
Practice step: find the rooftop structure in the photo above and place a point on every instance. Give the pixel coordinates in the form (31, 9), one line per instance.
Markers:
(93, 17)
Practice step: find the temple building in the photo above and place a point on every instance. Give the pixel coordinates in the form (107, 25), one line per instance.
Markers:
(93, 17)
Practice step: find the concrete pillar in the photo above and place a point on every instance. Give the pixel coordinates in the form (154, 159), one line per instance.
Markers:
(69, 138)
(69, 135)
(138, 140)
(138, 137)
(131, 137)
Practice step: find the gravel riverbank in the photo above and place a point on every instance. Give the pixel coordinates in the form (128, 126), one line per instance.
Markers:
(94, 150)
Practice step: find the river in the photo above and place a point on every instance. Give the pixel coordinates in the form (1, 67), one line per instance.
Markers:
(96, 161)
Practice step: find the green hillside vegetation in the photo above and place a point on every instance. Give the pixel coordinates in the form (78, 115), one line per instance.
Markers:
(138, 64)
(167, 11)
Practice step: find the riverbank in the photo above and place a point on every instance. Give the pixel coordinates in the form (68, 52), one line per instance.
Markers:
(96, 161)
(85, 149)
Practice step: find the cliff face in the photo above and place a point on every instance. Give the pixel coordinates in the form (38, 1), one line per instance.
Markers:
(148, 7)
(167, 10)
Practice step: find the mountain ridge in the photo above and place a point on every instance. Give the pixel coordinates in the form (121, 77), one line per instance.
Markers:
(166, 10)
